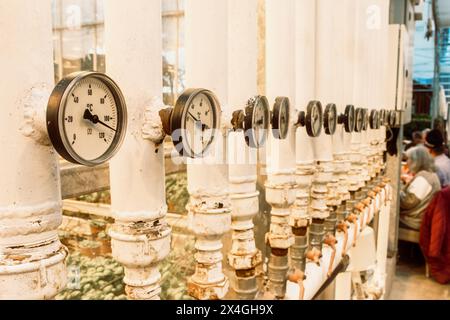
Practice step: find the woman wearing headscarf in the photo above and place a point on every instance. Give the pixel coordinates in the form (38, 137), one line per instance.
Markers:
(421, 184)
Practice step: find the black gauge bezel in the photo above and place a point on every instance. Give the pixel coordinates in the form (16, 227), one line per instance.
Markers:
(249, 121)
(348, 118)
(382, 117)
(359, 119)
(309, 121)
(280, 129)
(374, 119)
(330, 119)
(365, 119)
(55, 117)
(392, 118)
(178, 121)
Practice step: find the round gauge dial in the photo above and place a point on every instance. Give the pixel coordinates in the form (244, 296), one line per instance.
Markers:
(86, 118)
(382, 117)
(314, 118)
(348, 118)
(193, 122)
(280, 118)
(330, 119)
(365, 119)
(256, 121)
(374, 119)
(392, 118)
(359, 119)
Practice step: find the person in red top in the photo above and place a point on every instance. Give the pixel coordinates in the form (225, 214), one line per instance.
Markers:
(435, 236)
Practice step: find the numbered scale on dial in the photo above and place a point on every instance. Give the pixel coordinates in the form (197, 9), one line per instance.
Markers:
(312, 119)
(192, 123)
(348, 118)
(330, 119)
(254, 121)
(280, 118)
(86, 118)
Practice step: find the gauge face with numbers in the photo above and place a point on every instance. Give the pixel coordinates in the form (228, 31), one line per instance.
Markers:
(86, 118)
(330, 119)
(256, 121)
(193, 122)
(314, 118)
(280, 118)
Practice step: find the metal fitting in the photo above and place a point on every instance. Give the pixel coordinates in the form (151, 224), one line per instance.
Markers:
(316, 233)
(246, 286)
(298, 249)
(278, 268)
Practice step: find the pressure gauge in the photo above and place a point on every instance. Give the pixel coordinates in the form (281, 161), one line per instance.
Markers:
(256, 121)
(280, 118)
(86, 118)
(365, 119)
(348, 118)
(392, 118)
(374, 119)
(330, 119)
(359, 119)
(312, 119)
(382, 116)
(192, 123)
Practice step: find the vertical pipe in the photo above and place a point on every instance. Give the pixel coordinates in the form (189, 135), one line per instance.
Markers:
(242, 84)
(31, 255)
(334, 80)
(140, 234)
(219, 34)
(305, 55)
(280, 184)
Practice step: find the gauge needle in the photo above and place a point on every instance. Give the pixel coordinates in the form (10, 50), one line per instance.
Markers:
(193, 116)
(94, 119)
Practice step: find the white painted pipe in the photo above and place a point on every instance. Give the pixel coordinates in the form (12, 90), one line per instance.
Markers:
(280, 154)
(222, 58)
(140, 235)
(31, 256)
(242, 73)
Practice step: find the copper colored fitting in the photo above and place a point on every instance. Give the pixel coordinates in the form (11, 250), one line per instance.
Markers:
(372, 194)
(352, 218)
(314, 255)
(367, 201)
(298, 277)
(342, 226)
(360, 206)
(331, 241)
(377, 189)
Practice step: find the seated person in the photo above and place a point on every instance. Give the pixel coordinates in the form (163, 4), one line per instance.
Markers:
(421, 184)
(417, 140)
(435, 144)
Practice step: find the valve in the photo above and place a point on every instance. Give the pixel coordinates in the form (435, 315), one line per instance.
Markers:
(314, 255)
